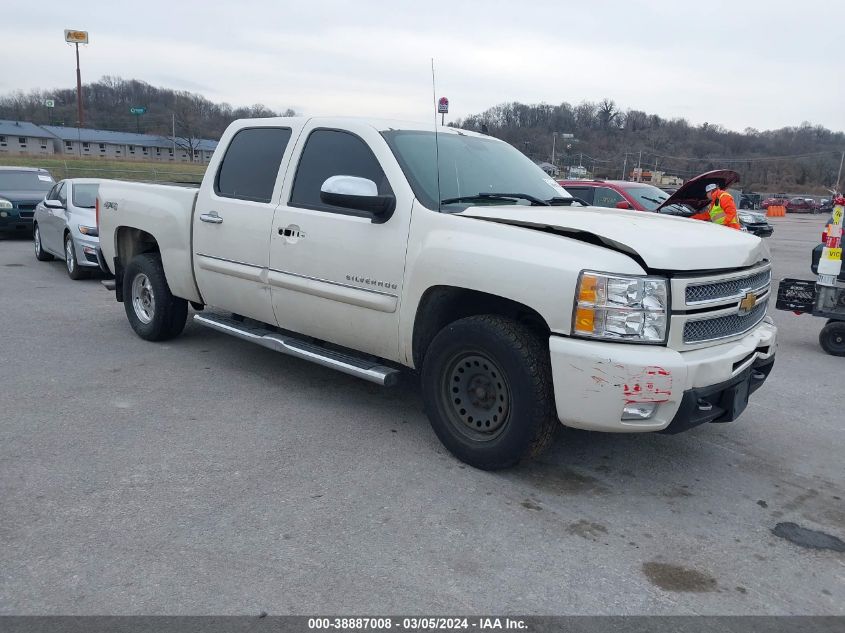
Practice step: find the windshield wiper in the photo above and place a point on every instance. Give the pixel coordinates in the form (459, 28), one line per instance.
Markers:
(498, 196)
(565, 202)
(655, 200)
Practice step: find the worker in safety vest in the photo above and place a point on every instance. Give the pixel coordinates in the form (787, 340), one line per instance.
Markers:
(722, 208)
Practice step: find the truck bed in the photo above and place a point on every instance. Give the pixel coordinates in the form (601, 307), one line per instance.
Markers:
(165, 211)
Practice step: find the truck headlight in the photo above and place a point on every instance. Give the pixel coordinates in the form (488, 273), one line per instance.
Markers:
(747, 218)
(619, 308)
(5, 204)
(90, 231)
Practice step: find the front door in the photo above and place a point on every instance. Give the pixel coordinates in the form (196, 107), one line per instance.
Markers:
(336, 274)
(54, 233)
(233, 218)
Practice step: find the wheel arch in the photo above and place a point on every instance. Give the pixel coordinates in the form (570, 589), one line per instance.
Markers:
(441, 305)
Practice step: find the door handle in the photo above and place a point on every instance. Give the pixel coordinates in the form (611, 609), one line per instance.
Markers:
(211, 217)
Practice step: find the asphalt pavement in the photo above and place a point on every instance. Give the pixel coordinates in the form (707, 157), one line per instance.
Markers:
(206, 475)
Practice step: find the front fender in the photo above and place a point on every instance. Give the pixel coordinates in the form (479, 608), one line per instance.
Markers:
(533, 267)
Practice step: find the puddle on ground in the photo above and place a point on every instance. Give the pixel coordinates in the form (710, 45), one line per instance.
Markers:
(805, 537)
(586, 529)
(676, 578)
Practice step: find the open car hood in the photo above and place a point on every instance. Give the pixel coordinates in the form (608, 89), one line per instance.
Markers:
(661, 242)
(692, 191)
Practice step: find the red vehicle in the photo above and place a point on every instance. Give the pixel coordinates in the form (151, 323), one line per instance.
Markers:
(689, 199)
(777, 200)
(802, 205)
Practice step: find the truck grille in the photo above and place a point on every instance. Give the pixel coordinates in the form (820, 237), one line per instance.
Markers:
(724, 326)
(728, 289)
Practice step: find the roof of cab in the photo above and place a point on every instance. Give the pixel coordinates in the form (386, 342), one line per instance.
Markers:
(382, 125)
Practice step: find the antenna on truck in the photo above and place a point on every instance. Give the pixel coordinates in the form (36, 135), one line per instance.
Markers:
(436, 145)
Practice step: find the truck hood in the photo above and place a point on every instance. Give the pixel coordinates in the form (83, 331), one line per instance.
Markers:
(692, 192)
(661, 242)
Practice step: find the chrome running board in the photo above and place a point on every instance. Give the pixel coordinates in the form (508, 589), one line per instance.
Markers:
(266, 337)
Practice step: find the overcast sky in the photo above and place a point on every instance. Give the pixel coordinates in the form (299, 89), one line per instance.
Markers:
(746, 63)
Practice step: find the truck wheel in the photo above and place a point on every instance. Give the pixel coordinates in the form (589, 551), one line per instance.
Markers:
(832, 338)
(40, 254)
(153, 312)
(487, 387)
(74, 270)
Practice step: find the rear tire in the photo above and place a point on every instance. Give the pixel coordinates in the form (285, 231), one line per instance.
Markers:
(832, 338)
(488, 393)
(40, 254)
(153, 312)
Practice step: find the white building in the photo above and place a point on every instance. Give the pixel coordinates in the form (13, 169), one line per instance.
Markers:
(19, 138)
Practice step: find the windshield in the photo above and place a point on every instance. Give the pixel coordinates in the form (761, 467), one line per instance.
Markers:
(84, 196)
(648, 196)
(469, 165)
(25, 181)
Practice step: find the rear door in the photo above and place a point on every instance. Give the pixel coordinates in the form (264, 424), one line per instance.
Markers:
(336, 274)
(234, 216)
(607, 197)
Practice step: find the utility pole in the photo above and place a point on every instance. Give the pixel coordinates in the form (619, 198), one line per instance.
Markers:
(839, 175)
(173, 133)
(554, 138)
(625, 166)
(79, 114)
(76, 38)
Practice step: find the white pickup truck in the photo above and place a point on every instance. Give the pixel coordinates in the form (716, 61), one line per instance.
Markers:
(372, 246)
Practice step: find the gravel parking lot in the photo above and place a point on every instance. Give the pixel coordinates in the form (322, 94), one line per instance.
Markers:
(210, 476)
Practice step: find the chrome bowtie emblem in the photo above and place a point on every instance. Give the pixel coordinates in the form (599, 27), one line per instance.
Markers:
(747, 304)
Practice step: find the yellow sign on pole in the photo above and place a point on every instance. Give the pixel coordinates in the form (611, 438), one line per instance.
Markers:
(76, 37)
(837, 214)
(834, 253)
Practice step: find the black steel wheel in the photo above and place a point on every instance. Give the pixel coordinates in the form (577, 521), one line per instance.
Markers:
(488, 392)
(832, 338)
(478, 394)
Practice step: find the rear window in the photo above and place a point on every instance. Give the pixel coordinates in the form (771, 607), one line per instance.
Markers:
(25, 181)
(584, 193)
(251, 164)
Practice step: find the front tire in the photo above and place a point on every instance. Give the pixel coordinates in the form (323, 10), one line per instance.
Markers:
(153, 312)
(74, 270)
(832, 338)
(40, 254)
(488, 392)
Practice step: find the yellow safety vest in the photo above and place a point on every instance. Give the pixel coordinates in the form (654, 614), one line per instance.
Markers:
(717, 213)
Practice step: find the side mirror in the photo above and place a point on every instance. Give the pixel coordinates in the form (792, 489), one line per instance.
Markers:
(361, 194)
(53, 204)
(623, 204)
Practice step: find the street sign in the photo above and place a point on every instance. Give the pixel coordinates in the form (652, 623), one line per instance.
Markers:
(138, 110)
(49, 103)
(76, 37)
(443, 106)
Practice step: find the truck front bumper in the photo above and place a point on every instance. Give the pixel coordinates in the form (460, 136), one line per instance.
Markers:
(595, 381)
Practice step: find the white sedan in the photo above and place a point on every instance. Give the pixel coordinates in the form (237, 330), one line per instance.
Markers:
(65, 226)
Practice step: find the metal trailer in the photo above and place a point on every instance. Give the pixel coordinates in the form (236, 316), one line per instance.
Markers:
(808, 297)
(826, 297)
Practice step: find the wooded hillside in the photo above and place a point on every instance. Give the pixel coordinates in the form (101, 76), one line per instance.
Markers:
(802, 159)
(107, 103)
